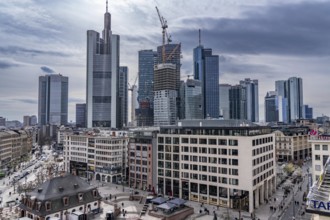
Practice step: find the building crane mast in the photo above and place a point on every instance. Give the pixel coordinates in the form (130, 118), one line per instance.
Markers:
(163, 23)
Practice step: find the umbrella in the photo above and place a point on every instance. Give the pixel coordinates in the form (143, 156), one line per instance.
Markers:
(178, 201)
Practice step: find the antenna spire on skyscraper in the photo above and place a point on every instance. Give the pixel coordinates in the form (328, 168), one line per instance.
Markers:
(199, 36)
(107, 6)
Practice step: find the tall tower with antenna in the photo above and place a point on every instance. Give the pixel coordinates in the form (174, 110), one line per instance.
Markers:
(102, 102)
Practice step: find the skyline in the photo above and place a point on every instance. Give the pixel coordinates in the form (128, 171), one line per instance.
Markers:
(263, 40)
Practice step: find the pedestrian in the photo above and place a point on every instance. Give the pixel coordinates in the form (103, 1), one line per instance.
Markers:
(217, 207)
(122, 204)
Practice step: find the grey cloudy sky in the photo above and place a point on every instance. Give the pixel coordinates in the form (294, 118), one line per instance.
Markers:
(266, 40)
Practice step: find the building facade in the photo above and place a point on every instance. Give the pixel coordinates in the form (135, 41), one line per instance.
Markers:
(53, 100)
(252, 98)
(142, 156)
(81, 115)
(237, 102)
(64, 197)
(101, 156)
(217, 162)
(102, 98)
(224, 106)
(123, 96)
(292, 144)
(271, 107)
(206, 69)
(320, 153)
(165, 94)
(193, 99)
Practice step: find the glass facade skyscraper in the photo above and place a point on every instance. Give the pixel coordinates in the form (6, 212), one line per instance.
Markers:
(102, 98)
(123, 96)
(53, 100)
(224, 100)
(81, 115)
(271, 107)
(252, 99)
(193, 99)
(206, 69)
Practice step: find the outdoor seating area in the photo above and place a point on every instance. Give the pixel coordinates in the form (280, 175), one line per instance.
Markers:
(168, 205)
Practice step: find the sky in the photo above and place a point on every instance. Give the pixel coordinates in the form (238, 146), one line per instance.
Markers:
(267, 40)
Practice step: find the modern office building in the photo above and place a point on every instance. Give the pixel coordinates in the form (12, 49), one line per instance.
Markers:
(206, 69)
(2, 121)
(308, 112)
(193, 99)
(33, 120)
(252, 98)
(123, 97)
(224, 105)
(165, 94)
(271, 107)
(282, 97)
(142, 157)
(81, 115)
(237, 102)
(291, 91)
(26, 120)
(147, 62)
(53, 100)
(96, 155)
(102, 96)
(229, 163)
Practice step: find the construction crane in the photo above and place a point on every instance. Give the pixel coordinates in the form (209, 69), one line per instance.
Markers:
(163, 23)
(173, 51)
(132, 88)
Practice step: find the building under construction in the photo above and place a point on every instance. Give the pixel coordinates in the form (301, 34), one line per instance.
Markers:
(165, 94)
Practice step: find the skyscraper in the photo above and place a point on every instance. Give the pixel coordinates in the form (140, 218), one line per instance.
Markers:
(237, 102)
(193, 99)
(147, 61)
(224, 100)
(295, 98)
(123, 96)
(165, 94)
(81, 115)
(102, 77)
(206, 69)
(26, 120)
(53, 100)
(252, 99)
(291, 92)
(308, 112)
(271, 107)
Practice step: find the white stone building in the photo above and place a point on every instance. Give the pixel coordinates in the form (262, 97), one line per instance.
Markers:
(229, 163)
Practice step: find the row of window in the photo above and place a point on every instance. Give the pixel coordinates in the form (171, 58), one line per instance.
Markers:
(263, 177)
(225, 142)
(214, 160)
(262, 159)
(260, 169)
(262, 150)
(324, 147)
(264, 140)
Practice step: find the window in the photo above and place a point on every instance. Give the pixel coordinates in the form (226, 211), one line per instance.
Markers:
(223, 142)
(317, 147)
(325, 147)
(233, 142)
(318, 167)
(317, 157)
(48, 207)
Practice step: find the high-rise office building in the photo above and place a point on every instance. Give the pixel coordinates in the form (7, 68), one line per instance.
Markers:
(291, 93)
(237, 102)
(102, 77)
(224, 100)
(53, 100)
(165, 94)
(271, 107)
(2, 121)
(308, 112)
(206, 69)
(295, 98)
(252, 99)
(123, 96)
(81, 115)
(193, 99)
(33, 120)
(147, 61)
(26, 120)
